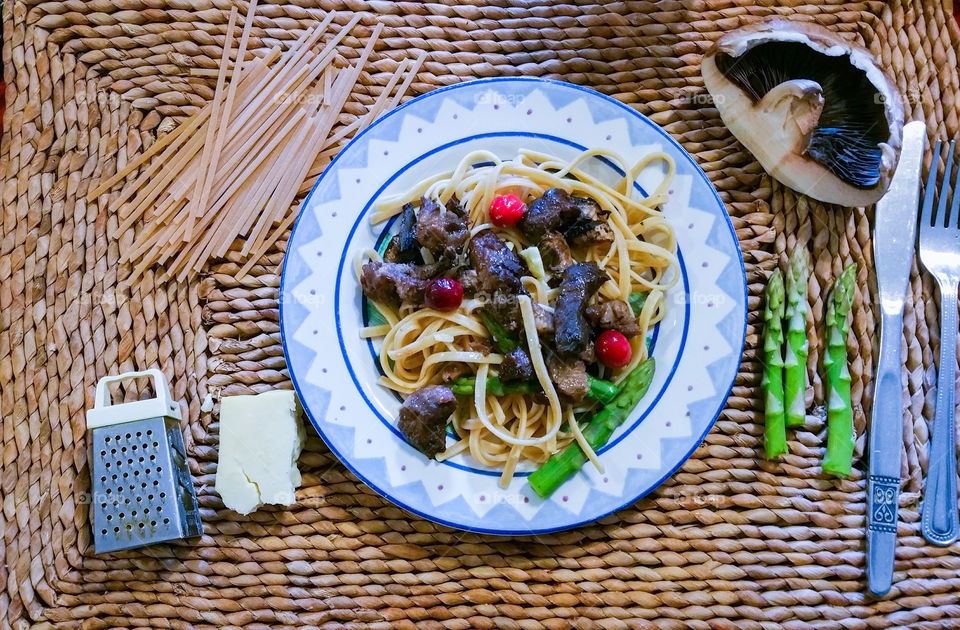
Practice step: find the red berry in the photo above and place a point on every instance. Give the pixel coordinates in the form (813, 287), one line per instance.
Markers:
(444, 294)
(506, 210)
(613, 349)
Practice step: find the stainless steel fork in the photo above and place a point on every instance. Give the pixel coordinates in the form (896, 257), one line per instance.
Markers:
(940, 255)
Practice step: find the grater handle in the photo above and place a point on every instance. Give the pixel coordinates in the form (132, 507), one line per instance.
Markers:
(105, 413)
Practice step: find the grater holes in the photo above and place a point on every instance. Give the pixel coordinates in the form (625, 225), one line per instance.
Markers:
(136, 463)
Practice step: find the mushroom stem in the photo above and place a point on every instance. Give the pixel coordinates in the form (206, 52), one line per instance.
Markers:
(798, 102)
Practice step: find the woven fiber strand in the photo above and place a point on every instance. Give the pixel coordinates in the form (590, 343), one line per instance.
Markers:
(730, 541)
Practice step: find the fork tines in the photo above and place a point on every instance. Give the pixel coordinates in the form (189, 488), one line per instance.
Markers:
(940, 218)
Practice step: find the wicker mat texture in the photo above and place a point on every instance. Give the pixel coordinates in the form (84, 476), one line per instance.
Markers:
(730, 541)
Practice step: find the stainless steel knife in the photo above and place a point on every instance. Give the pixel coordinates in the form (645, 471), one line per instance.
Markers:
(894, 235)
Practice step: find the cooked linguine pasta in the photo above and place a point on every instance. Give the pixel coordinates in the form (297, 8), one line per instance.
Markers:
(419, 342)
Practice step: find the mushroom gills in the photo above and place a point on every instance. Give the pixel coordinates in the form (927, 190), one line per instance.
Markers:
(852, 124)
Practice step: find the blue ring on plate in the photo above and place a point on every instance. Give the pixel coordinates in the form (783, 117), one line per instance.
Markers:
(656, 483)
(343, 262)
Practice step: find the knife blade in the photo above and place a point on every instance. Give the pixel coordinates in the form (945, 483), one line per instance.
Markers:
(894, 235)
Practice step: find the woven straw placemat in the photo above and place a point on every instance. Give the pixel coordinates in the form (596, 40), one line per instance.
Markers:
(730, 541)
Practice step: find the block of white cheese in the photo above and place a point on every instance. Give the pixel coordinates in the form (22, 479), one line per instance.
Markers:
(260, 440)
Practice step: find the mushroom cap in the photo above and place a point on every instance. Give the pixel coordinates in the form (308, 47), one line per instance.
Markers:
(777, 127)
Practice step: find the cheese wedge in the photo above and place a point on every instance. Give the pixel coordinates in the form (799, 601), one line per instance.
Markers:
(260, 440)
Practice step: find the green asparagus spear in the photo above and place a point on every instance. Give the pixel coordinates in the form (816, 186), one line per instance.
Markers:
(465, 385)
(601, 390)
(636, 300)
(795, 358)
(503, 339)
(775, 437)
(374, 316)
(839, 409)
(561, 466)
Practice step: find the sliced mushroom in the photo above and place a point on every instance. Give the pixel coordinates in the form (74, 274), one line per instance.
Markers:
(817, 111)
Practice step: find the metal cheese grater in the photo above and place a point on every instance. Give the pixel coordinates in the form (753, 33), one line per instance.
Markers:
(142, 490)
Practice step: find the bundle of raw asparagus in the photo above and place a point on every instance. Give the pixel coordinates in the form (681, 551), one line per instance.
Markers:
(785, 370)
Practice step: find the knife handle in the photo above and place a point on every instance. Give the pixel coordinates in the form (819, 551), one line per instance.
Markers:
(884, 494)
(886, 440)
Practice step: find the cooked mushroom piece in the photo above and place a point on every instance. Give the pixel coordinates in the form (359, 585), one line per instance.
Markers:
(404, 247)
(424, 415)
(816, 110)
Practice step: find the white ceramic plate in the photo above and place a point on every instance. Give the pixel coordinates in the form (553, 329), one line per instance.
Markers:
(697, 346)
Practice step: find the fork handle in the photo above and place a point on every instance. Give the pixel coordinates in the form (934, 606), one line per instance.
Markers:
(940, 523)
